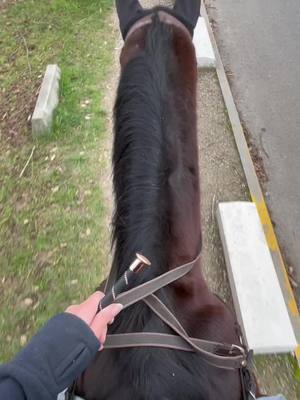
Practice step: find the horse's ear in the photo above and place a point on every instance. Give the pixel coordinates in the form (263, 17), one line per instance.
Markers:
(188, 10)
(128, 11)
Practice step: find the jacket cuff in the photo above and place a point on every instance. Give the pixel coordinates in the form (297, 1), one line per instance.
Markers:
(56, 355)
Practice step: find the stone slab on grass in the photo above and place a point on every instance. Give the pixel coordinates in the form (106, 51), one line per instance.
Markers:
(256, 292)
(204, 50)
(47, 101)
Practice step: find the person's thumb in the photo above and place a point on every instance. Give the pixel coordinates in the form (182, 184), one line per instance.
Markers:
(101, 320)
(110, 312)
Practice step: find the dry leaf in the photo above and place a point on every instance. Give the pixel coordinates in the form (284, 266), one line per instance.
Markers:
(44, 259)
(55, 189)
(28, 302)
(23, 340)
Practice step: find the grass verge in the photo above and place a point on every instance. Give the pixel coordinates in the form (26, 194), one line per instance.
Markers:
(53, 233)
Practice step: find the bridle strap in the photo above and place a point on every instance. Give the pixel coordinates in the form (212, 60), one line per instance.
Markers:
(142, 291)
(220, 355)
(151, 339)
(162, 311)
(217, 354)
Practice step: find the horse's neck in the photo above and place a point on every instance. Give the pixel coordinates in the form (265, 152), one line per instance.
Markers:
(184, 191)
(184, 242)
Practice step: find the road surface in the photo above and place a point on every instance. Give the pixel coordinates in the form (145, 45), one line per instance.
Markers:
(259, 45)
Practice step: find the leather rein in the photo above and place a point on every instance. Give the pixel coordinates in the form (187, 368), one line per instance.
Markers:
(220, 355)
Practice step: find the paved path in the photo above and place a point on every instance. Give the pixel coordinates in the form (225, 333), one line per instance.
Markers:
(259, 44)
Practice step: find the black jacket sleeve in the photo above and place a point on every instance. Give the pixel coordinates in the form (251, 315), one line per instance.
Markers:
(57, 355)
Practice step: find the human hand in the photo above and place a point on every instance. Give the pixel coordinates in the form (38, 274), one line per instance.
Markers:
(87, 311)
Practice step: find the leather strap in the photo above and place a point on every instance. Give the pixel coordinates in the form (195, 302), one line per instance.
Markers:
(138, 293)
(160, 309)
(220, 355)
(217, 354)
(151, 339)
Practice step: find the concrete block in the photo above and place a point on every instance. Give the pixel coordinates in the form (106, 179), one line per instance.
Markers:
(257, 296)
(204, 50)
(47, 101)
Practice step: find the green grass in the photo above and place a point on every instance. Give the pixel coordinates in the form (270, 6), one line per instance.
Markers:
(53, 233)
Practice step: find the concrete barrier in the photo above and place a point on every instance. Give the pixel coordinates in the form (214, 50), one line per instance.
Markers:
(256, 292)
(47, 101)
(203, 46)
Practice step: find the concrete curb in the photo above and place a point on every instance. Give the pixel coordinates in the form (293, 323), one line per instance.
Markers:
(261, 312)
(204, 50)
(47, 101)
(255, 189)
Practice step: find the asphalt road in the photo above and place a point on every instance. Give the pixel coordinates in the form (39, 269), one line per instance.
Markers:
(259, 41)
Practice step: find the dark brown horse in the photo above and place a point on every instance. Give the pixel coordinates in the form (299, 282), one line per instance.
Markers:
(157, 199)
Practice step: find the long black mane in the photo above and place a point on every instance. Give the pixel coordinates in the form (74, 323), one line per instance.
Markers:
(140, 158)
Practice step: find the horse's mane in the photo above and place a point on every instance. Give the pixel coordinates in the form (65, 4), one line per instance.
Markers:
(140, 158)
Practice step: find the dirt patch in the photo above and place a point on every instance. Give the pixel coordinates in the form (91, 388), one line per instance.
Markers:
(221, 174)
(4, 4)
(253, 148)
(256, 156)
(16, 107)
(18, 95)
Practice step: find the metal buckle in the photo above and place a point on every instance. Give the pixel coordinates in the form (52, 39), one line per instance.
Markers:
(242, 351)
(239, 348)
